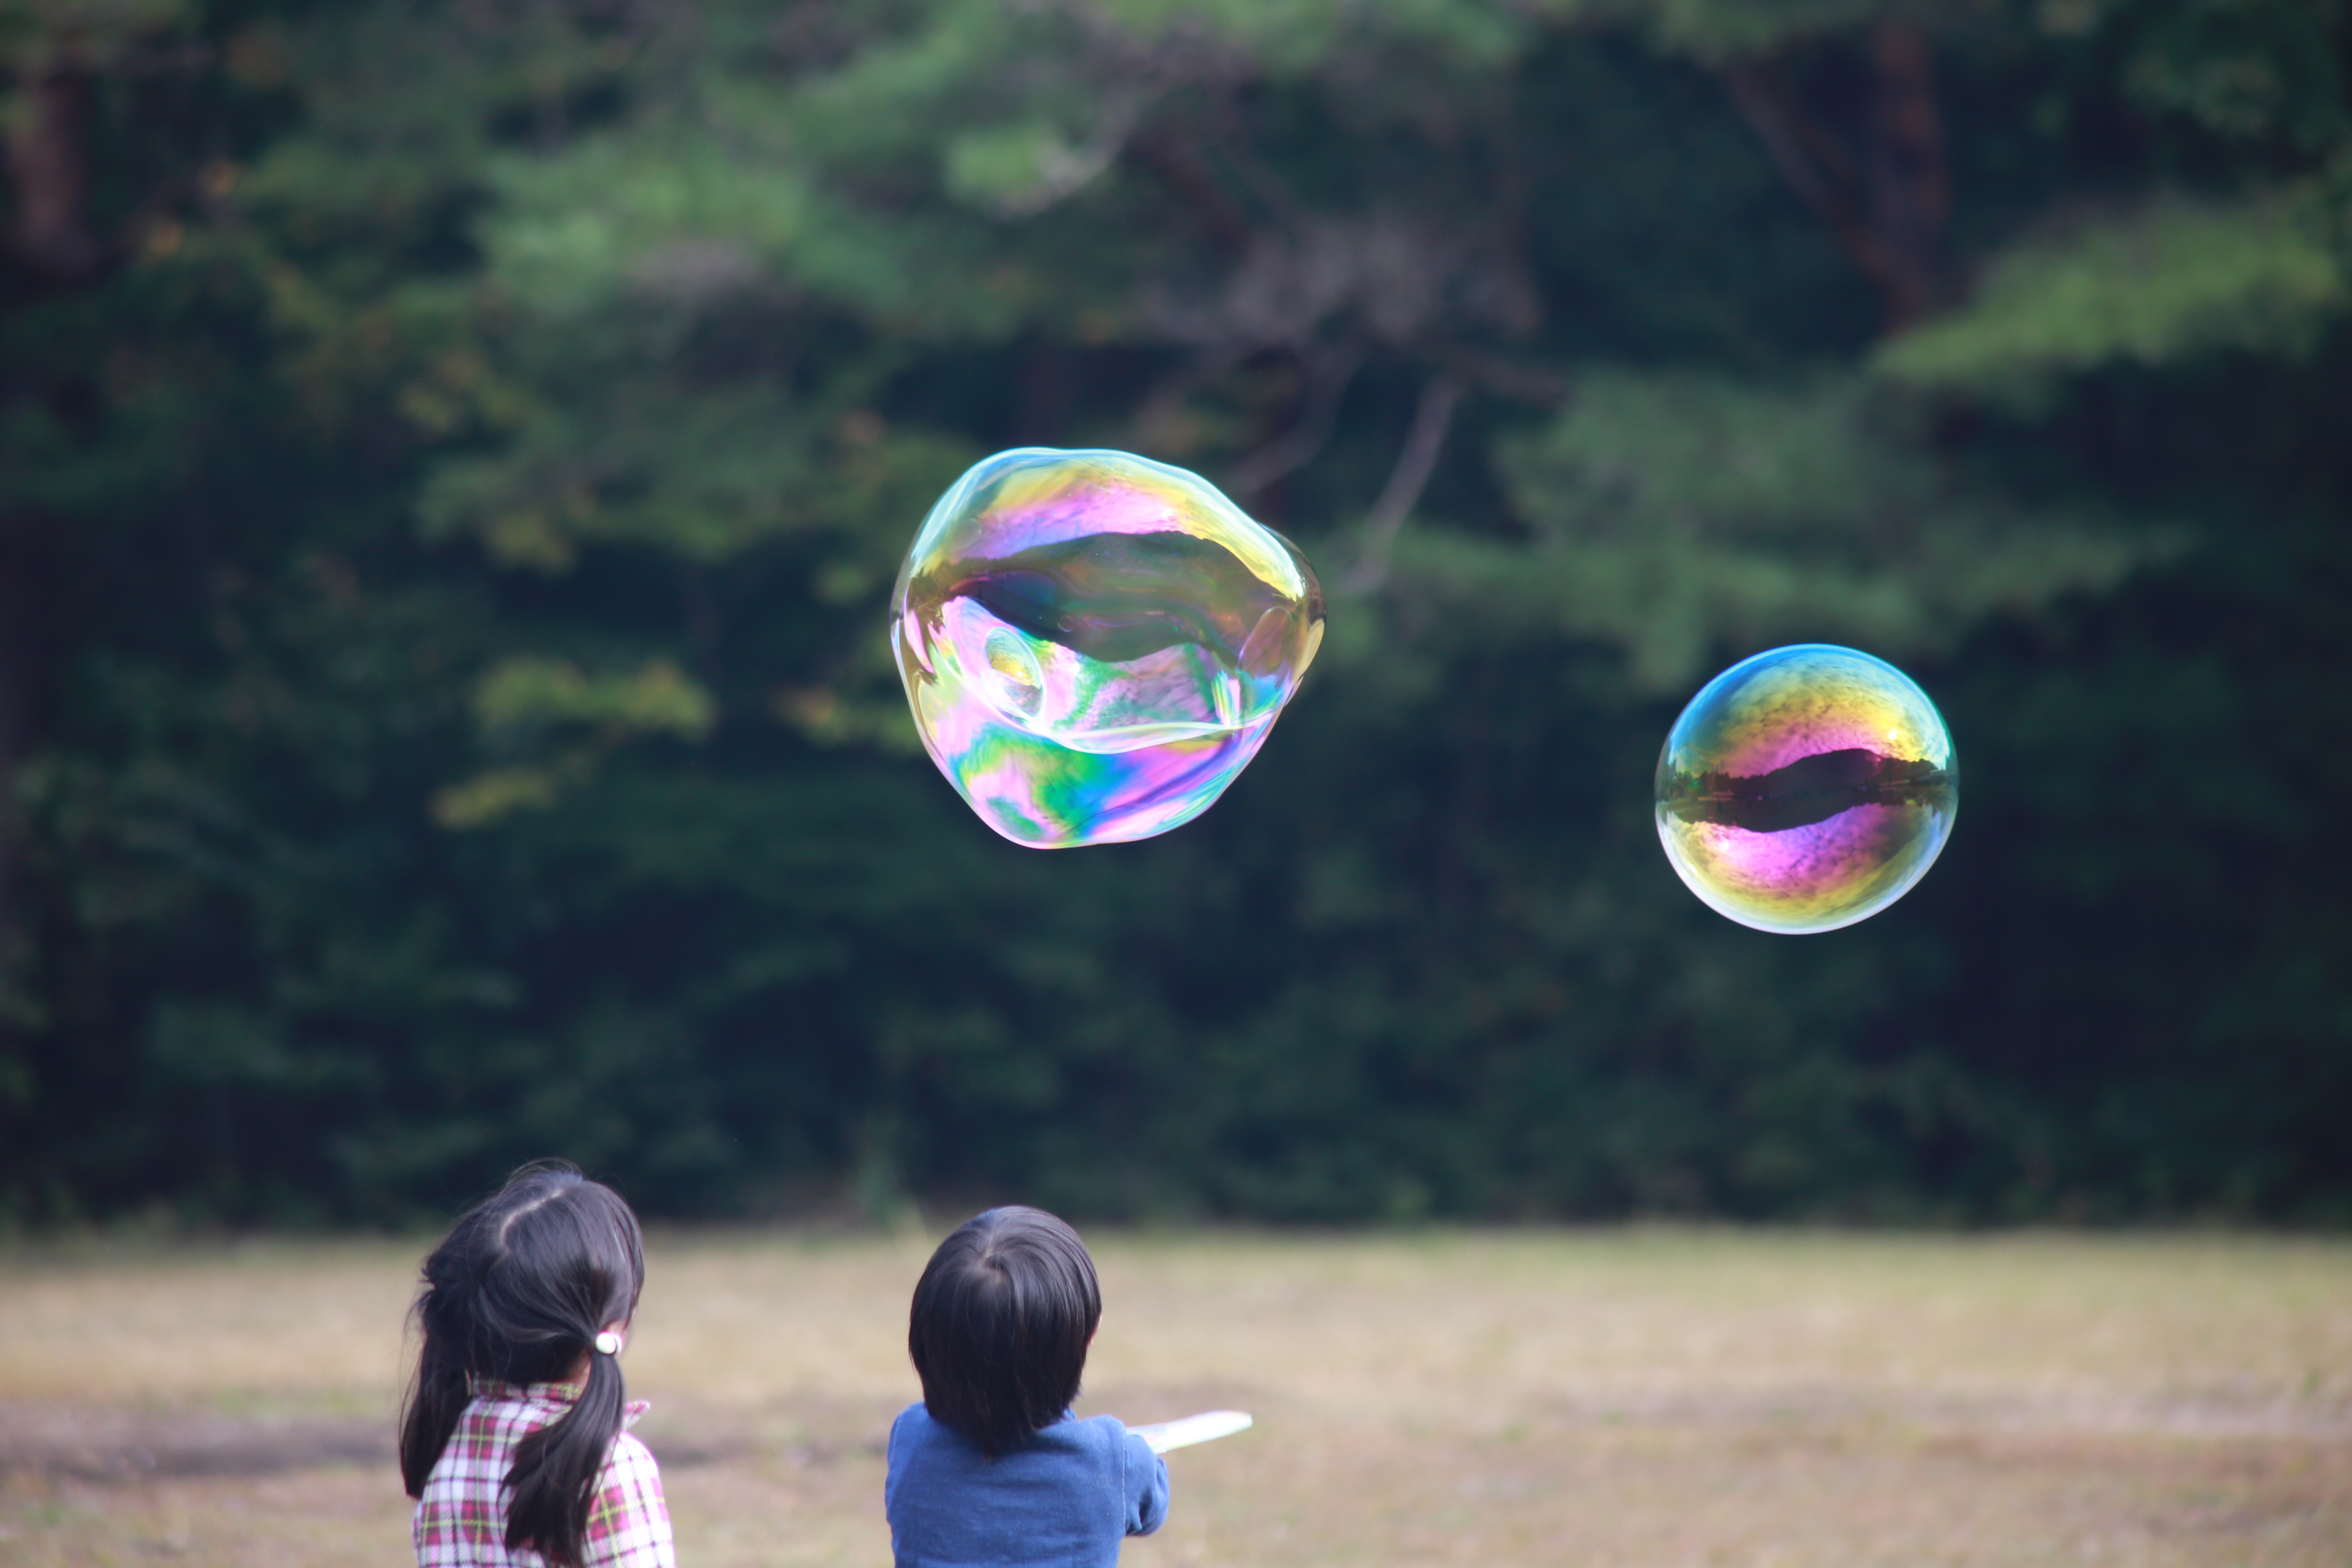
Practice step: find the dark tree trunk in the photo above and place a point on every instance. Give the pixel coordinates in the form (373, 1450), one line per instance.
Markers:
(21, 575)
(52, 247)
(1889, 208)
(1911, 195)
(49, 164)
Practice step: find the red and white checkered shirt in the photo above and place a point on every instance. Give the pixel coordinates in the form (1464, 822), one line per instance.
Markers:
(461, 1519)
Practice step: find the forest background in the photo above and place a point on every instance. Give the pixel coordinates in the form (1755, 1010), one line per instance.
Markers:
(454, 455)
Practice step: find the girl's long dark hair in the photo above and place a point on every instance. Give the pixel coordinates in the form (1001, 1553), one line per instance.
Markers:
(518, 1293)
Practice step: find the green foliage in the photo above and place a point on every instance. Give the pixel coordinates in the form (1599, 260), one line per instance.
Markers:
(2246, 68)
(1718, 30)
(2163, 284)
(1676, 511)
(523, 693)
(448, 505)
(30, 29)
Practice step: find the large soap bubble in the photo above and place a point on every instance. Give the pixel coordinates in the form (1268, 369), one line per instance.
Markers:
(1095, 644)
(1806, 788)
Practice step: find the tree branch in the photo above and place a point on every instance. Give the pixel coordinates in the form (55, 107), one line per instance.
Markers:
(1180, 167)
(1415, 462)
(1329, 375)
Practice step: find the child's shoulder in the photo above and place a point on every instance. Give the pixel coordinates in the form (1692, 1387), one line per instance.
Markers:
(1104, 1439)
(916, 1432)
(629, 1455)
(1108, 1430)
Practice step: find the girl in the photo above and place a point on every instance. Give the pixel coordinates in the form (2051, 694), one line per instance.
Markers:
(511, 1439)
(991, 1471)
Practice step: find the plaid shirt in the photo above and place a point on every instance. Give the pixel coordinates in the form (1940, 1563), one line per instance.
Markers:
(461, 1519)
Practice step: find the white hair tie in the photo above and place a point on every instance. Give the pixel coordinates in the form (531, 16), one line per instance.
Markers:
(608, 1343)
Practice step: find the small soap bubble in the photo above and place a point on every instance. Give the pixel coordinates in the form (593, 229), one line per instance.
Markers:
(1095, 644)
(1806, 788)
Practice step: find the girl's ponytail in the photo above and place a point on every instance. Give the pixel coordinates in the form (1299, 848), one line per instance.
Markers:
(553, 1479)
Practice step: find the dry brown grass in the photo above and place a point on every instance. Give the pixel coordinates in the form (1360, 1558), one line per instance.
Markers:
(1655, 1398)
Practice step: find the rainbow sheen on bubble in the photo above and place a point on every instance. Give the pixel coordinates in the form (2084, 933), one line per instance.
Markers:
(1095, 644)
(1806, 788)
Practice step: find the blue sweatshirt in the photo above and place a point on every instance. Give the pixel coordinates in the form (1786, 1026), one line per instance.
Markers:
(1067, 1497)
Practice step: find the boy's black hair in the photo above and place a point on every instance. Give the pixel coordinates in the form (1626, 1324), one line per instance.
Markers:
(1002, 1317)
(517, 1292)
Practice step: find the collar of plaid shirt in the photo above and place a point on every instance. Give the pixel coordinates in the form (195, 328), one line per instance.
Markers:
(551, 1395)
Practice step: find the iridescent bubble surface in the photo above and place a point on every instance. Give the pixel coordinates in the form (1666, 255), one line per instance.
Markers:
(1095, 644)
(1806, 788)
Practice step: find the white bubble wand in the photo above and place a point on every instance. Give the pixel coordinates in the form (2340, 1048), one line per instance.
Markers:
(1184, 1432)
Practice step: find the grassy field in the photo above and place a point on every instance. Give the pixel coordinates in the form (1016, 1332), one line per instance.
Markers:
(1657, 1398)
